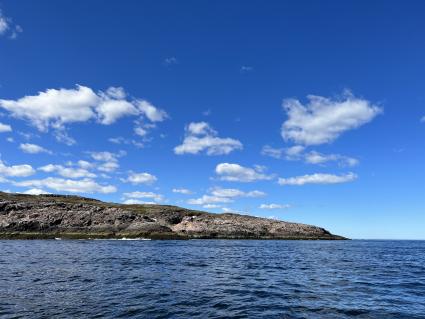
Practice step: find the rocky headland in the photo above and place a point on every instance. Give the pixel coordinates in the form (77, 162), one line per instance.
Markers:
(74, 217)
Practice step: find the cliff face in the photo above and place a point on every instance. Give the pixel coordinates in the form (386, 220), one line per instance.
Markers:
(50, 216)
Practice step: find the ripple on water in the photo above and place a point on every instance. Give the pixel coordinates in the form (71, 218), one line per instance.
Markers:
(212, 279)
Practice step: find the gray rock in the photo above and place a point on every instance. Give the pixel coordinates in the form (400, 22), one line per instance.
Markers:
(49, 216)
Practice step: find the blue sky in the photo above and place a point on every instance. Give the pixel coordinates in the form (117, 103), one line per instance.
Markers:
(306, 111)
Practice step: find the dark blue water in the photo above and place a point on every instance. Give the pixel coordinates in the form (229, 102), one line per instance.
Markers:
(212, 279)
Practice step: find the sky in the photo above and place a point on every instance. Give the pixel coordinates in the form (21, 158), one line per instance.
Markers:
(302, 111)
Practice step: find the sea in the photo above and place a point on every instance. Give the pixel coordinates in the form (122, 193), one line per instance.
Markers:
(212, 279)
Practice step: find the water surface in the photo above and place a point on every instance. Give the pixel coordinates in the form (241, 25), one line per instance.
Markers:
(212, 279)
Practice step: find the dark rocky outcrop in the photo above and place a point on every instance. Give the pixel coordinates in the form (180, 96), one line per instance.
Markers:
(50, 216)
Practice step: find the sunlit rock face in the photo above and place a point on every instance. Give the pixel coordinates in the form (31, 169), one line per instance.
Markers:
(51, 216)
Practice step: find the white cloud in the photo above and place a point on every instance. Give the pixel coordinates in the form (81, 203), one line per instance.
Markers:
(208, 199)
(7, 27)
(140, 178)
(62, 136)
(237, 173)
(318, 179)
(322, 120)
(151, 112)
(108, 167)
(423, 119)
(33, 148)
(140, 131)
(106, 156)
(273, 206)
(223, 195)
(155, 197)
(35, 191)
(54, 108)
(133, 201)
(16, 170)
(182, 191)
(314, 157)
(201, 137)
(110, 160)
(69, 172)
(85, 164)
(85, 185)
(290, 153)
(113, 105)
(296, 153)
(272, 152)
(122, 140)
(5, 128)
(233, 192)
(3, 24)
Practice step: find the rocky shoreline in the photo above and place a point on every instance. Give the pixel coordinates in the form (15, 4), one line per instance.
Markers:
(74, 217)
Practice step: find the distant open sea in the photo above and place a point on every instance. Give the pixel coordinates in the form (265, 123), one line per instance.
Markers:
(212, 279)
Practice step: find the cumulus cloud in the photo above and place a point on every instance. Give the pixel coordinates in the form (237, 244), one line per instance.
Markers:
(16, 170)
(200, 137)
(151, 112)
(237, 173)
(33, 148)
(322, 119)
(183, 191)
(54, 108)
(110, 160)
(69, 172)
(139, 178)
(149, 195)
(112, 106)
(85, 185)
(5, 128)
(273, 206)
(223, 195)
(318, 178)
(85, 164)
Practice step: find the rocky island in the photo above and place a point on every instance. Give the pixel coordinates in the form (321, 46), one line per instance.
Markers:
(74, 217)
